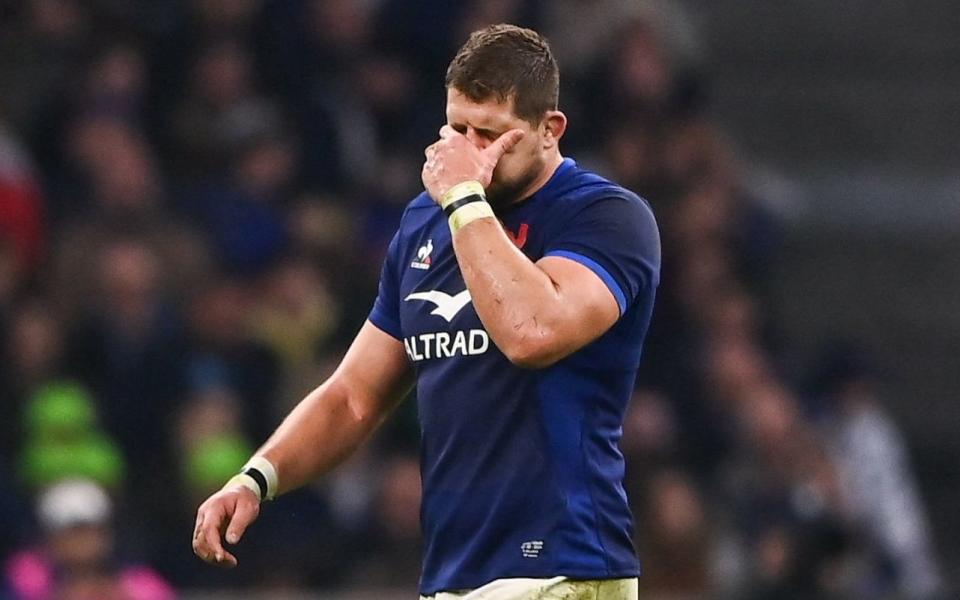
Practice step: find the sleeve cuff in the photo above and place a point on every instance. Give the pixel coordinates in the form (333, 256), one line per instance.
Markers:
(385, 325)
(599, 271)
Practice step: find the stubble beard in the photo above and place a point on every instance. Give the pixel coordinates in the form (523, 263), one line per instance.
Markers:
(501, 194)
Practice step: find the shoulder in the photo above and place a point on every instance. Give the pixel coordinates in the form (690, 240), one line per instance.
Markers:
(584, 189)
(417, 213)
(593, 213)
(423, 200)
(588, 198)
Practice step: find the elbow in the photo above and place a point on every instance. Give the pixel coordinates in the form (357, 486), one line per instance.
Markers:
(531, 354)
(362, 412)
(356, 408)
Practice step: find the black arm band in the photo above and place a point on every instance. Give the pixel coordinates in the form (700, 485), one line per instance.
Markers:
(453, 206)
(261, 480)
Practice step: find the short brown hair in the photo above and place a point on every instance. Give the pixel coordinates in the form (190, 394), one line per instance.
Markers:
(503, 61)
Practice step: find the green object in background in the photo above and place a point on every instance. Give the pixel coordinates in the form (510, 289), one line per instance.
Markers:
(64, 441)
(93, 456)
(59, 410)
(214, 461)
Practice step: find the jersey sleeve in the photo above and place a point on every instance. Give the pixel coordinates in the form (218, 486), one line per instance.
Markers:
(617, 239)
(385, 313)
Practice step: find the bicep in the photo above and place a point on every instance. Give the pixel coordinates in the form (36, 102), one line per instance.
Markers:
(588, 308)
(606, 257)
(375, 372)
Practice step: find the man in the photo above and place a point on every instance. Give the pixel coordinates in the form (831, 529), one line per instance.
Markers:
(521, 301)
(78, 555)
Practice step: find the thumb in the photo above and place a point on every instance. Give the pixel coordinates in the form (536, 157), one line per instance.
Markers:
(503, 144)
(246, 512)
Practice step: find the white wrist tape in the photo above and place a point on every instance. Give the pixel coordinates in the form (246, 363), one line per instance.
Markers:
(465, 203)
(461, 190)
(258, 468)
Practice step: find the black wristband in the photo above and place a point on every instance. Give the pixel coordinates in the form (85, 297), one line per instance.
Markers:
(453, 206)
(259, 477)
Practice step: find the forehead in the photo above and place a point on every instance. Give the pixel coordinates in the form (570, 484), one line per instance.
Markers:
(489, 114)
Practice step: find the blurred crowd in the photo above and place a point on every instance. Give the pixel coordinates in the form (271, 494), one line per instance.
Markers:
(195, 197)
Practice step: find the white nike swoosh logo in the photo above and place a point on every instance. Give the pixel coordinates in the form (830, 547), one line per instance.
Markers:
(447, 306)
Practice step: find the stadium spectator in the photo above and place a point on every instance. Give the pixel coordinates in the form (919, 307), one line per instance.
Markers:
(63, 439)
(23, 235)
(32, 354)
(391, 559)
(676, 538)
(78, 556)
(876, 477)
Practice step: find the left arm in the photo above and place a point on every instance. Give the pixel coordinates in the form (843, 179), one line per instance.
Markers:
(536, 313)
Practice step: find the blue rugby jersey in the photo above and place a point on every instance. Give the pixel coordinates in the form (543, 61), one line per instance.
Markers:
(522, 474)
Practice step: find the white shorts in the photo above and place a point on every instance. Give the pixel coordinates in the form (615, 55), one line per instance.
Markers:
(556, 588)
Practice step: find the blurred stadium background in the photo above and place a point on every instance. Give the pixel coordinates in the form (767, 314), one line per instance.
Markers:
(195, 196)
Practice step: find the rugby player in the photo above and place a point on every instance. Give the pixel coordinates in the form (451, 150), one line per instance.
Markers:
(516, 294)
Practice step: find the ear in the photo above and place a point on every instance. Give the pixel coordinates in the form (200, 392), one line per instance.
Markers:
(554, 125)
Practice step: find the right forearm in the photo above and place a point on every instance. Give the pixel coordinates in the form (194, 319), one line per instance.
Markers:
(320, 432)
(323, 429)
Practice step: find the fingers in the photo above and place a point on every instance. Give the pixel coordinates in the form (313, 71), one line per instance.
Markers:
(245, 514)
(198, 525)
(199, 543)
(210, 536)
(206, 536)
(226, 560)
(503, 144)
(447, 132)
